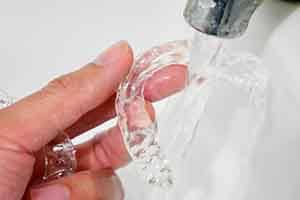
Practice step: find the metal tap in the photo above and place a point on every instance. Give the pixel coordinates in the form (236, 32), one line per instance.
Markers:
(221, 18)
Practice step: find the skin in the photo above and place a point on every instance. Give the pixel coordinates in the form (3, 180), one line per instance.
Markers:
(75, 103)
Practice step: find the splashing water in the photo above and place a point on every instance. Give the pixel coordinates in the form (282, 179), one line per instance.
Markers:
(209, 66)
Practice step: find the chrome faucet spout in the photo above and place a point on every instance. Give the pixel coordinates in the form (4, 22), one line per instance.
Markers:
(221, 18)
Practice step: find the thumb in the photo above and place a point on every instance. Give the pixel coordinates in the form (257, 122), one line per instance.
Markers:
(89, 185)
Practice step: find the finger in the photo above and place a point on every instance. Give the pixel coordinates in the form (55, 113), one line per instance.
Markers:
(90, 185)
(107, 150)
(35, 120)
(162, 84)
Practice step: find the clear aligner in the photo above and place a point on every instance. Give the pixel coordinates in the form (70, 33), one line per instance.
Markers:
(139, 130)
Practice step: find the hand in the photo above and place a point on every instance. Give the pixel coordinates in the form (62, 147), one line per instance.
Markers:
(74, 103)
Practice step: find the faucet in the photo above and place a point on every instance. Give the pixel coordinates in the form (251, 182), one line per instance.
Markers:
(221, 18)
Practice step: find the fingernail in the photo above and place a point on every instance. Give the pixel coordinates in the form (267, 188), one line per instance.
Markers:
(112, 55)
(50, 192)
